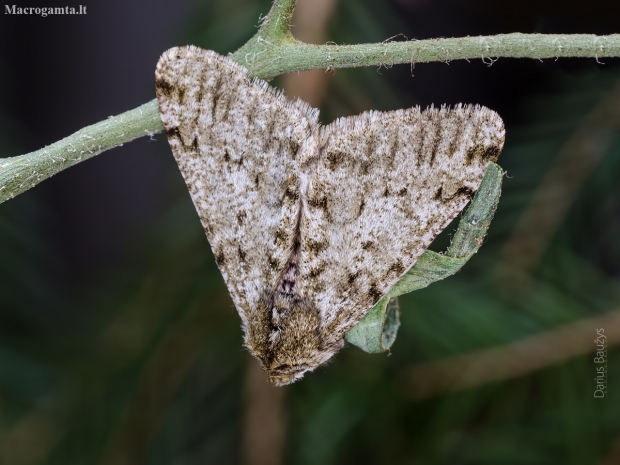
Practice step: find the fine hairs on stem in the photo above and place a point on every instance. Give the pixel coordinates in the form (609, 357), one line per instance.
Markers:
(274, 51)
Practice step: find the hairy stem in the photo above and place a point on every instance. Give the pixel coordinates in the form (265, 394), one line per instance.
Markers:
(18, 174)
(273, 51)
(275, 27)
(267, 61)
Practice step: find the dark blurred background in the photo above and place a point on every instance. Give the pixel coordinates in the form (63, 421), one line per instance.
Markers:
(119, 343)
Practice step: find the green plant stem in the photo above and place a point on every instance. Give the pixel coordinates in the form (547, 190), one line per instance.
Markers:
(275, 27)
(267, 61)
(273, 51)
(18, 174)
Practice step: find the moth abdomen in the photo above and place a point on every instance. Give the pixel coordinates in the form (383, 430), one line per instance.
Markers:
(285, 334)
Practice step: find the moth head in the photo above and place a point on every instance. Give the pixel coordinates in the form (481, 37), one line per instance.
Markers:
(285, 334)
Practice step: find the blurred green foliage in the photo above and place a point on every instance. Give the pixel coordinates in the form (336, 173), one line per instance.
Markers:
(147, 363)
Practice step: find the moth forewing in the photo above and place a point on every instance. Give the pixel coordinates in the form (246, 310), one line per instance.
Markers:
(312, 225)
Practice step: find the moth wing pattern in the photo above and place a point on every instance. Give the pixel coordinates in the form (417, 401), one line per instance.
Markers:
(236, 142)
(311, 226)
(386, 184)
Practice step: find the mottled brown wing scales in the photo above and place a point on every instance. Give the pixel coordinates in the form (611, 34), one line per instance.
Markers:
(236, 142)
(385, 186)
(312, 226)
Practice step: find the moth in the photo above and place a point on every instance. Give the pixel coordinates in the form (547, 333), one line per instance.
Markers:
(311, 225)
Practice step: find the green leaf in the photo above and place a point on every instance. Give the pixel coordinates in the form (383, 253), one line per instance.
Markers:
(376, 332)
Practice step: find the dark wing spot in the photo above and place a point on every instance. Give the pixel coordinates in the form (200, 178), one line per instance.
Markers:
(479, 152)
(436, 141)
(361, 209)
(371, 146)
(273, 263)
(215, 92)
(241, 254)
(270, 128)
(316, 271)
(195, 144)
(463, 191)
(374, 293)
(352, 277)
(492, 153)
(173, 132)
(269, 140)
(316, 246)
(280, 236)
(364, 167)
(397, 267)
(460, 191)
(291, 193)
(456, 139)
(367, 245)
(470, 154)
(386, 193)
(164, 87)
(334, 159)
(294, 148)
(402, 192)
(226, 156)
(220, 259)
(394, 147)
(241, 217)
(318, 203)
